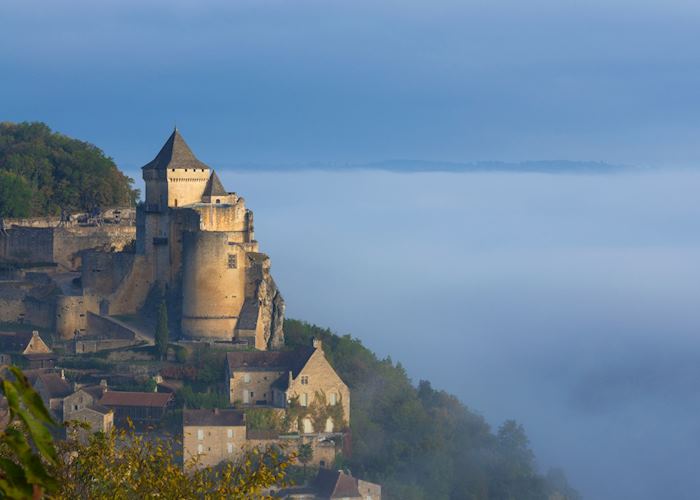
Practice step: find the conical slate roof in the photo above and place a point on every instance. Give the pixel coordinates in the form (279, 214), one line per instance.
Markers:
(214, 186)
(175, 153)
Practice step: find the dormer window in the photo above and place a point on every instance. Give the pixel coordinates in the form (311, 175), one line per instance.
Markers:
(218, 200)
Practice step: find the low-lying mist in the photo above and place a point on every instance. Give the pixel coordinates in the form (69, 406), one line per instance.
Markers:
(567, 302)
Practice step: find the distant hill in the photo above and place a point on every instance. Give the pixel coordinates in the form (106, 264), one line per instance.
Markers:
(542, 166)
(418, 166)
(42, 172)
(421, 443)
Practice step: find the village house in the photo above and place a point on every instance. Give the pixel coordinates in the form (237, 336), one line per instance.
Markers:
(26, 346)
(301, 379)
(142, 408)
(53, 388)
(213, 436)
(333, 484)
(82, 406)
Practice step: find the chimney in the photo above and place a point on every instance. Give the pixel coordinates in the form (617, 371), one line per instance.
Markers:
(317, 343)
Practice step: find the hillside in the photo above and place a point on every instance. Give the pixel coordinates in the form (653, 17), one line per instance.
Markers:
(421, 443)
(42, 172)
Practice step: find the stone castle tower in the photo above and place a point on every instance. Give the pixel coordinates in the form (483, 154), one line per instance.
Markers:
(200, 238)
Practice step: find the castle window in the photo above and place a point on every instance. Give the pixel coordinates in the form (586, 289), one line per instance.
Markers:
(232, 261)
(304, 380)
(218, 200)
(200, 434)
(332, 399)
(229, 447)
(304, 400)
(200, 449)
(246, 377)
(230, 433)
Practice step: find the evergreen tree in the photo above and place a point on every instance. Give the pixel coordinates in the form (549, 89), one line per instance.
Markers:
(305, 453)
(162, 331)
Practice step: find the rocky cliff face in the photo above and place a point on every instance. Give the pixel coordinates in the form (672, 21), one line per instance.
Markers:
(264, 308)
(271, 311)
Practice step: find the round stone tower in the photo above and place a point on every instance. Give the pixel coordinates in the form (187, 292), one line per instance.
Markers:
(213, 286)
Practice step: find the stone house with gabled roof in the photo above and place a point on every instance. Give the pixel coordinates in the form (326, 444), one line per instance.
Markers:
(333, 485)
(301, 381)
(83, 397)
(53, 388)
(213, 436)
(82, 406)
(29, 346)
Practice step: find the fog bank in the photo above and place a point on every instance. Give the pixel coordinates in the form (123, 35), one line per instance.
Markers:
(568, 302)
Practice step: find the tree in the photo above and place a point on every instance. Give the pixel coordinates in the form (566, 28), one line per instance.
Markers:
(162, 331)
(59, 172)
(123, 465)
(27, 451)
(305, 453)
(15, 195)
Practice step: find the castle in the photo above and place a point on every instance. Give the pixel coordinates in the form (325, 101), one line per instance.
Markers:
(193, 239)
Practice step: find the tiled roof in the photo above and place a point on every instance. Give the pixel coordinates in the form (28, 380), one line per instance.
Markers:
(335, 484)
(214, 186)
(96, 391)
(292, 361)
(55, 385)
(214, 417)
(96, 408)
(175, 153)
(147, 399)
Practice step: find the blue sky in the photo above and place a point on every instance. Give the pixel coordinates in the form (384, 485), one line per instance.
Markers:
(333, 81)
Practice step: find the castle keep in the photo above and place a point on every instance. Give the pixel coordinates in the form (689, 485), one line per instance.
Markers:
(193, 240)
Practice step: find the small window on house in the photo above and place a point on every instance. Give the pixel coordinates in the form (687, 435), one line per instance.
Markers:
(246, 377)
(304, 380)
(230, 433)
(229, 447)
(200, 449)
(218, 200)
(200, 434)
(252, 394)
(175, 201)
(304, 400)
(332, 398)
(232, 261)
